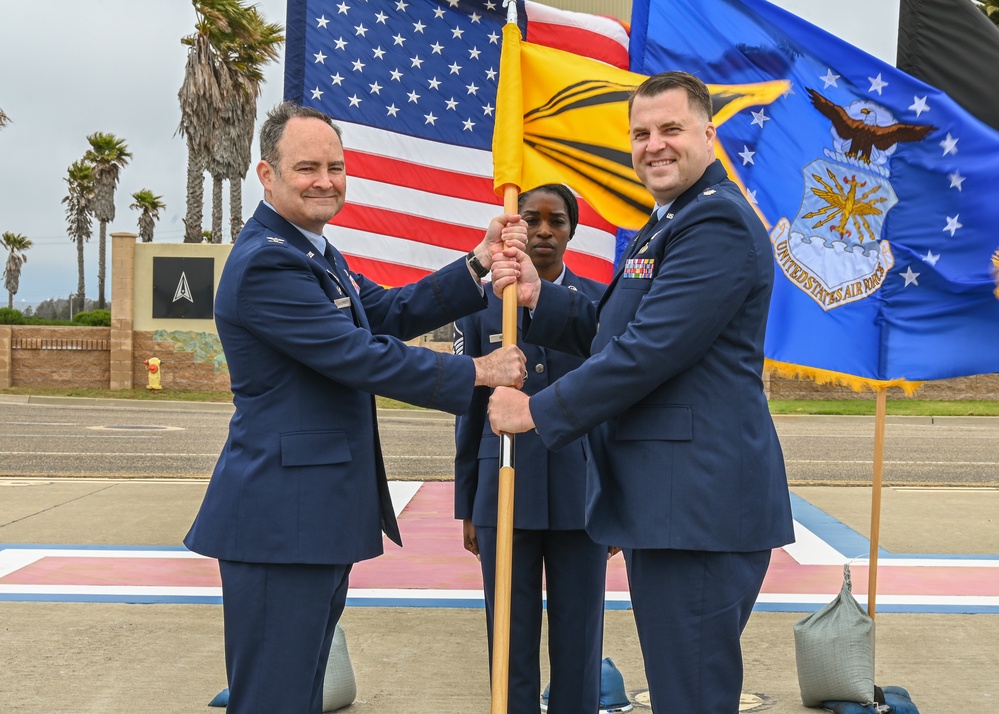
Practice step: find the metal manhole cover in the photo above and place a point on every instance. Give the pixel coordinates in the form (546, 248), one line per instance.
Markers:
(747, 702)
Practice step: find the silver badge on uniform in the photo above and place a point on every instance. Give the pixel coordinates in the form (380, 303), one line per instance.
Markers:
(342, 302)
(496, 338)
(272, 239)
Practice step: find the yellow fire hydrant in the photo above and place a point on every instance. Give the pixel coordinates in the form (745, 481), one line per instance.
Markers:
(153, 365)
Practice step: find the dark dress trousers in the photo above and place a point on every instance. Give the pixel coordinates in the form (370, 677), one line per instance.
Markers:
(549, 535)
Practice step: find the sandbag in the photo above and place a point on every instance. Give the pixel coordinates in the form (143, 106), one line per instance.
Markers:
(834, 651)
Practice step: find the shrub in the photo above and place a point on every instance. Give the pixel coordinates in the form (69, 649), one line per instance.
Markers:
(94, 318)
(12, 316)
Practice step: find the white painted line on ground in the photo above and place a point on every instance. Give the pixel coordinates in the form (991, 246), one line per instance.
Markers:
(897, 462)
(11, 560)
(809, 549)
(402, 493)
(912, 600)
(103, 454)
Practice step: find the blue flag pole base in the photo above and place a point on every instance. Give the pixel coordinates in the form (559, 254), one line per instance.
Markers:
(896, 698)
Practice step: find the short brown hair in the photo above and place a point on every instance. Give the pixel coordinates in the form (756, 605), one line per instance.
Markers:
(273, 128)
(697, 92)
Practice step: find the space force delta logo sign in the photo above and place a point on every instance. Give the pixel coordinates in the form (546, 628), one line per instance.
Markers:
(183, 288)
(833, 250)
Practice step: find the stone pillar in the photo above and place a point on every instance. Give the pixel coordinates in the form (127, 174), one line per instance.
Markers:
(122, 308)
(6, 359)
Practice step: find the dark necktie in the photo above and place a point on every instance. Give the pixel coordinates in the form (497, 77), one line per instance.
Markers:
(338, 274)
(328, 254)
(643, 234)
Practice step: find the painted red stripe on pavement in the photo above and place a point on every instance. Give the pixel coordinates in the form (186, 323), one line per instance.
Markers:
(117, 572)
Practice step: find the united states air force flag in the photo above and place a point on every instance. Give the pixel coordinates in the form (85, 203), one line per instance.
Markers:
(877, 189)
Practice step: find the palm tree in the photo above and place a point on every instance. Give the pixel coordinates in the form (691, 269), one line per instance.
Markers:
(150, 206)
(109, 155)
(243, 62)
(202, 100)
(4, 119)
(217, 102)
(17, 244)
(79, 202)
(991, 10)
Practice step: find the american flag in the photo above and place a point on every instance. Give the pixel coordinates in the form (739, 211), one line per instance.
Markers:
(413, 85)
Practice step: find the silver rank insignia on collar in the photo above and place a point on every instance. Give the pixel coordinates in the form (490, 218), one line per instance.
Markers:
(311, 254)
(272, 239)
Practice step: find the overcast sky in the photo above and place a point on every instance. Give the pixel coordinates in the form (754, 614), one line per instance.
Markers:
(70, 68)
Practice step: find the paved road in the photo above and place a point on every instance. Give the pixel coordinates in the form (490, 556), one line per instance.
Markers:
(53, 437)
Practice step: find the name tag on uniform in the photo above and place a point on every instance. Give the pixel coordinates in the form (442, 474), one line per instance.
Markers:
(639, 268)
(496, 338)
(342, 302)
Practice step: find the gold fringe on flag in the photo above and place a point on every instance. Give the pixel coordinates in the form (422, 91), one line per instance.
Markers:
(825, 376)
(995, 271)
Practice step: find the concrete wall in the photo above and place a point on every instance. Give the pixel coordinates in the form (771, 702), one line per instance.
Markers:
(37, 356)
(133, 327)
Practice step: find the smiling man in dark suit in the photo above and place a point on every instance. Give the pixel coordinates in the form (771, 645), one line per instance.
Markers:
(299, 493)
(685, 470)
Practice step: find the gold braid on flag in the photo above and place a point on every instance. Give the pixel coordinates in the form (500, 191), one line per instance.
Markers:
(562, 118)
(825, 376)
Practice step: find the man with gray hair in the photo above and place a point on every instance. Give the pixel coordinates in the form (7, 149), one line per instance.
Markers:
(299, 493)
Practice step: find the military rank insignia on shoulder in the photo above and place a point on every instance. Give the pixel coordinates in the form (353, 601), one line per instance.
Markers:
(709, 192)
(272, 239)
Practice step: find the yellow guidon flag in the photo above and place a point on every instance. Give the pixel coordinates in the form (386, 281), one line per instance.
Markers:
(568, 123)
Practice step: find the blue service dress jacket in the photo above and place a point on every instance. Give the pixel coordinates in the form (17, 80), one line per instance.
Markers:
(682, 449)
(300, 478)
(549, 486)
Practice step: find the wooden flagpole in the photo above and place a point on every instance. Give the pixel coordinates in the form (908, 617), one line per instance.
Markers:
(504, 513)
(879, 456)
